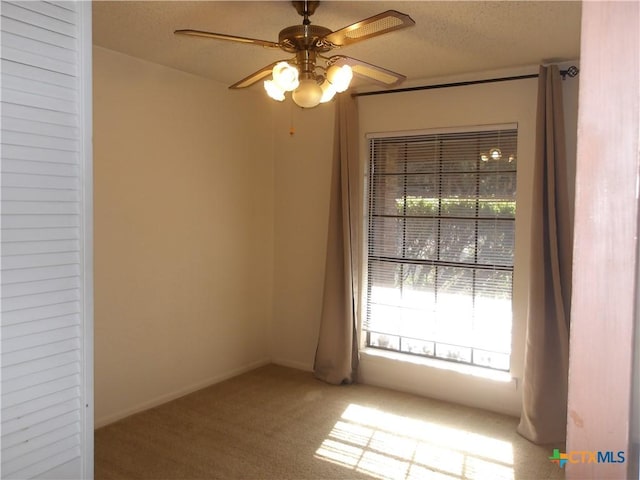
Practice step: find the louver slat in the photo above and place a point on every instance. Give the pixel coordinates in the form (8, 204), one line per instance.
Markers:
(43, 50)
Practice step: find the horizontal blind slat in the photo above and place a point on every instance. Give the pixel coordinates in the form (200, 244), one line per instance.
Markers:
(38, 61)
(29, 167)
(32, 366)
(40, 141)
(27, 30)
(12, 277)
(42, 459)
(49, 80)
(40, 208)
(43, 440)
(65, 4)
(36, 154)
(37, 120)
(38, 100)
(51, 10)
(41, 351)
(19, 12)
(34, 87)
(11, 345)
(43, 414)
(40, 260)
(40, 313)
(38, 47)
(38, 126)
(57, 385)
(20, 303)
(64, 464)
(39, 377)
(39, 195)
(38, 247)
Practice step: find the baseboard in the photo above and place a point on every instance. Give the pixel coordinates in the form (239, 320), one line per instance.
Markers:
(307, 367)
(101, 422)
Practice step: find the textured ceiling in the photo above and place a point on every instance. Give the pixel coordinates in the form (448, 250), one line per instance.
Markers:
(450, 38)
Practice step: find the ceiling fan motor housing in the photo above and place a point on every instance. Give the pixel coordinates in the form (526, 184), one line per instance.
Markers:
(303, 37)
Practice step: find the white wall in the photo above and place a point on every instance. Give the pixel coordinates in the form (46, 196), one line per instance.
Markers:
(302, 181)
(183, 233)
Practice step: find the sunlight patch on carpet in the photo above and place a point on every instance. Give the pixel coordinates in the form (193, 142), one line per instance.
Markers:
(393, 447)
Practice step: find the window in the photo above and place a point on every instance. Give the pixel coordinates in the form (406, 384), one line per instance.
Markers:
(441, 225)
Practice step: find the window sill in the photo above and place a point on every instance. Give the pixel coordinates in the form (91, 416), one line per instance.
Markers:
(460, 368)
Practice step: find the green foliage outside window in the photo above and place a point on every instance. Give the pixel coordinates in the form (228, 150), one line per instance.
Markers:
(421, 206)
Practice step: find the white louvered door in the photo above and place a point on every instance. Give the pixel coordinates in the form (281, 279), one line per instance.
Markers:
(46, 269)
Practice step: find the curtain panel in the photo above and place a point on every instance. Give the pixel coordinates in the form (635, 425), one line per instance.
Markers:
(336, 359)
(544, 408)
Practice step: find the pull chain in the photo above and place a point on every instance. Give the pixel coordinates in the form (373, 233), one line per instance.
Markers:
(292, 128)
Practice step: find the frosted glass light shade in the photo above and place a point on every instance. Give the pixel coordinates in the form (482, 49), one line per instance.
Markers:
(273, 90)
(328, 92)
(308, 94)
(340, 77)
(285, 76)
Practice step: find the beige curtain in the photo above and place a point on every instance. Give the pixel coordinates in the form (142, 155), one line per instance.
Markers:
(336, 358)
(544, 409)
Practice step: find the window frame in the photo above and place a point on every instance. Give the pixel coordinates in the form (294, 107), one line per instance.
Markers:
(364, 300)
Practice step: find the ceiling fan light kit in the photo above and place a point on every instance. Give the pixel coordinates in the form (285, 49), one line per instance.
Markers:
(273, 90)
(328, 92)
(310, 76)
(285, 76)
(308, 94)
(339, 77)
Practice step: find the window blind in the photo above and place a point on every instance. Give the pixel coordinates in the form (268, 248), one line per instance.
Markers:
(441, 211)
(47, 427)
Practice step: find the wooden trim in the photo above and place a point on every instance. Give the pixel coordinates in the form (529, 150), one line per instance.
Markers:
(85, 64)
(605, 245)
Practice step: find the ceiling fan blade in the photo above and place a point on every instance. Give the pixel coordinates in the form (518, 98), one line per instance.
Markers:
(255, 76)
(370, 27)
(231, 38)
(379, 75)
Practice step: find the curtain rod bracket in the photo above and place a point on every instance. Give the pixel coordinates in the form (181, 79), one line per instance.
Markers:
(572, 71)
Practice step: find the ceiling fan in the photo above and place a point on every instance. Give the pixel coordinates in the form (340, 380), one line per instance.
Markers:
(312, 77)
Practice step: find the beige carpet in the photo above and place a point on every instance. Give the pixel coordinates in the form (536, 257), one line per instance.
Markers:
(280, 423)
